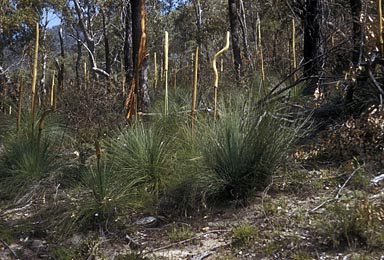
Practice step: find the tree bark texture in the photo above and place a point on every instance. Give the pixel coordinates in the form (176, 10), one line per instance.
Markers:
(233, 7)
(313, 43)
(60, 75)
(86, 28)
(78, 60)
(139, 85)
(357, 36)
(357, 33)
(106, 43)
(128, 61)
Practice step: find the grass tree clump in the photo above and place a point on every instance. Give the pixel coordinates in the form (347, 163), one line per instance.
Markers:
(245, 146)
(107, 198)
(192, 181)
(143, 152)
(28, 157)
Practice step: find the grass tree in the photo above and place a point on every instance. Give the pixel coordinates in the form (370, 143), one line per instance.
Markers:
(245, 146)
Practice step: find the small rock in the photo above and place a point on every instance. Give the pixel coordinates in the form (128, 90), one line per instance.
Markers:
(37, 244)
(147, 221)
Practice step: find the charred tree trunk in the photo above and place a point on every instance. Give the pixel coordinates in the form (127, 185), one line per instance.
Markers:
(78, 60)
(106, 43)
(106, 48)
(233, 7)
(313, 44)
(357, 36)
(60, 76)
(244, 30)
(128, 61)
(139, 85)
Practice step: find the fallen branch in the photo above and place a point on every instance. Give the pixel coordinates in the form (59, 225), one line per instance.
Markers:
(337, 197)
(9, 248)
(345, 183)
(375, 82)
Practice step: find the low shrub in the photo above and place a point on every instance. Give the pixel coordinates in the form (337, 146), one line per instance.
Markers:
(29, 157)
(244, 234)
(142, 153)
(246, 144)
(356, 224)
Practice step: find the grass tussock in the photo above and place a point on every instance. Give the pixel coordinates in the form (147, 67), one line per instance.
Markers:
(29, 157)
(246, 145)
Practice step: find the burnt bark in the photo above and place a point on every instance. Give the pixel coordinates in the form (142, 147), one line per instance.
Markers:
(140, 65)
(357, 36)
(128, 61)
(106, 48)
(313, 44)
(78, 60)
(357, 33)
(233, 7)
(106, 43)
(60, 76)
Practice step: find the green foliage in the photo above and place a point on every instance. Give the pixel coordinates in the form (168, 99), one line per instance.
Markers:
(130, 256)
(143, 153)
(302, 255)
(355, 224)
(179, 232)
(64, 253)
(245, 145)
(26, 159)
(244, 234)
(109, 196)
(6, 233)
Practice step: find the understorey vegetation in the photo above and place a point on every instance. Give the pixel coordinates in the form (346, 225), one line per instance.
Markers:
(191, 129)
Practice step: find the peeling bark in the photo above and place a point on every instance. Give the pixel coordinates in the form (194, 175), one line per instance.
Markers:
(139, 86)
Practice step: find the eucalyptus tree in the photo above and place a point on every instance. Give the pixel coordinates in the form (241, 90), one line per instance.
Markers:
(234, 20)
(139, 83)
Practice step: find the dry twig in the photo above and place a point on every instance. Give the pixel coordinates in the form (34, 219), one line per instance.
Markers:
(9, 248)
(337, 197)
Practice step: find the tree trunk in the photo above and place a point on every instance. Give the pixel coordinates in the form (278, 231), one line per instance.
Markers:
(128, 62)
(199, 21)
(139, 86)
(233, 7)
(106, 48)
(89, 39)
(43, 79)
(357, 36)
(78, 60)
(106, 43)
(60, 75)
(244, 30)
(313, 44)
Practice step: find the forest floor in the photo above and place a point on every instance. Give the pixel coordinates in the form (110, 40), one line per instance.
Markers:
(315, 208)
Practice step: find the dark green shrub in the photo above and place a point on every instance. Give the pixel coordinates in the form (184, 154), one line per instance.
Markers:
(28, 157)
(245, 145)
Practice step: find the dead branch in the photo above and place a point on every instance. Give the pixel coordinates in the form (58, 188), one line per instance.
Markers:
(9, 248)
(377, 84)
(337, 196)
